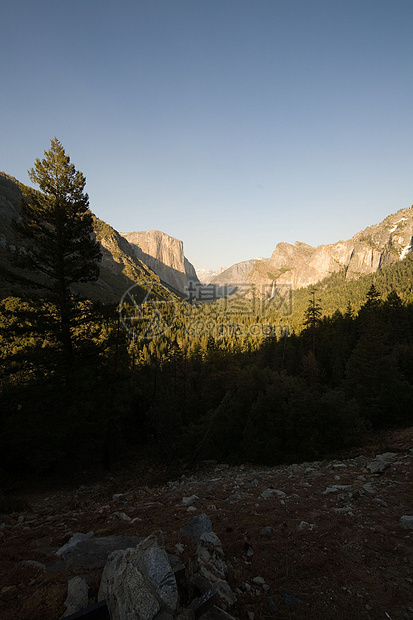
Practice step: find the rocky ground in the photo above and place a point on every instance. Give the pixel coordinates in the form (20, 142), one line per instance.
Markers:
(321, 540)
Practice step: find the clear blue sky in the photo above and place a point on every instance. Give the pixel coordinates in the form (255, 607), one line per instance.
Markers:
(230, 124)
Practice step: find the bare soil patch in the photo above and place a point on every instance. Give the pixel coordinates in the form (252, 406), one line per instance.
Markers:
(326, 537)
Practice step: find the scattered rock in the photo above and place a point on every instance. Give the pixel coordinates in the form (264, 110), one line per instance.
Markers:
(344, 510)
(369, 488)
(138, 583)
(225, 594)
(64, 551)
(198, 526)
(188, 501)
(155, 567)
(210, 562)
(215, 593)
(306, 526)
(270, 492)
(210, 574)
(250, 551)
(92, 554)
(272, 605)
(335, 488)
(122, 516)
(127, 595)
(290, 600)
(407, 522)
(203, 603)
(77, 596)
(381, 462)
(259, 581)
(179, 547)
(212, 539)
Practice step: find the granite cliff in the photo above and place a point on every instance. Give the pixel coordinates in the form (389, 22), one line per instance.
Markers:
(164, 255)
(302, 265)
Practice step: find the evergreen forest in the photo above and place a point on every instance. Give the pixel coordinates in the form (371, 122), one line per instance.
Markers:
(201, 383)
(85, 384)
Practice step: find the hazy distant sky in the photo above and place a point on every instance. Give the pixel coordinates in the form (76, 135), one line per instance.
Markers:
(230, 124)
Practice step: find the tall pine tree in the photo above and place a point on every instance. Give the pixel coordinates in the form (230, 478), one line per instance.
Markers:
(56, 231)
(313, 317)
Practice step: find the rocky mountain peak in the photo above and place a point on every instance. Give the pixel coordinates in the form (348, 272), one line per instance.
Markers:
(287, 255)
(301, 265)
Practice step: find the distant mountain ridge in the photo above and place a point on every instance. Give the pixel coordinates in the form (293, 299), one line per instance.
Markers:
(301, 265)
(156, 259)
(206, 275)
(237, 273)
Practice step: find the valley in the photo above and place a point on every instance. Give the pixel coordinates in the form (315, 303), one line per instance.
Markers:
(280, 414)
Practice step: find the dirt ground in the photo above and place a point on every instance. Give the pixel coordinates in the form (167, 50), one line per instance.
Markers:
(326, 537)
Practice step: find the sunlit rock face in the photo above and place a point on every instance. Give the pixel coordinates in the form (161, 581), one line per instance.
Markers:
(164, 255)
(365, 253)
(238, 273)
(301, 265)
